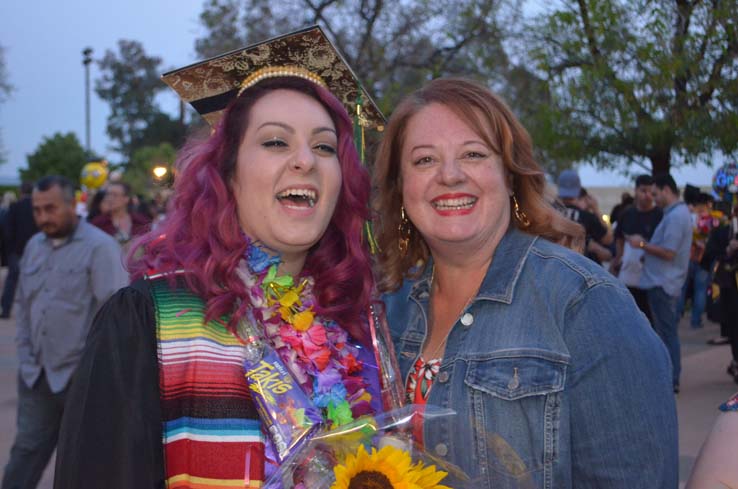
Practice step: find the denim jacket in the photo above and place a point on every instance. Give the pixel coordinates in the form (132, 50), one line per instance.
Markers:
(556, 378)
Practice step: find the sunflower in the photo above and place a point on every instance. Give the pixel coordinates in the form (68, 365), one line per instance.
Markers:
(388, 468)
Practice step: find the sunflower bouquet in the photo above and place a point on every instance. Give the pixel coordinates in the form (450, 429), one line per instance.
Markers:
(374, 452)
(386, 468)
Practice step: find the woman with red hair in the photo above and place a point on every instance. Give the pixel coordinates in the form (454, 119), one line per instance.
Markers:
(263, 237)
(556, 378)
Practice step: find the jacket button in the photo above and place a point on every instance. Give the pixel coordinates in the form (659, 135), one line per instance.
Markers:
(441, 449)
(467, 319)
(443, 377)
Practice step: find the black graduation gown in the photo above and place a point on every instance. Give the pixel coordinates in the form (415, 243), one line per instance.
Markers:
(111, 434)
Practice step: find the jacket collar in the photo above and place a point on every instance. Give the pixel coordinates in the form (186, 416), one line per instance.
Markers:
(502, 276)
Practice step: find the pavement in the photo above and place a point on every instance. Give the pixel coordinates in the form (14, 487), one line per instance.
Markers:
(704, 386)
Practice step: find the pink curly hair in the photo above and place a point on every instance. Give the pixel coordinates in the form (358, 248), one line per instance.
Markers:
(202, 235)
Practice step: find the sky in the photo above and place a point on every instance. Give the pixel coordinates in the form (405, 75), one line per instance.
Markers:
(43, 43)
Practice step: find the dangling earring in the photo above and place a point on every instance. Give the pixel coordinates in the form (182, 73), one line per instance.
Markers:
(520, 213)
(404, 229)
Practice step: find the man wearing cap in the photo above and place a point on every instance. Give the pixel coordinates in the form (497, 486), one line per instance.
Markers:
(598, 235)
(67, 271)
(665, 264)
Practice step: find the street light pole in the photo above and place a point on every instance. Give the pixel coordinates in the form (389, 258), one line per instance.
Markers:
(86, 60)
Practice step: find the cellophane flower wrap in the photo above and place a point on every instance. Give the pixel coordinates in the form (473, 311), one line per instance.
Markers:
(324, 427)
(373, 452)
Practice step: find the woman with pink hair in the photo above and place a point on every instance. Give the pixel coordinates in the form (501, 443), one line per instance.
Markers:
(259, 269)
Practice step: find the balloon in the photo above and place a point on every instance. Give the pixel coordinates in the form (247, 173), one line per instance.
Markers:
(94, 174)
(725, 183)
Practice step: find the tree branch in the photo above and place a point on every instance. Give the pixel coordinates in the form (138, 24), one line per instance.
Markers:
(619, 85)
(730, 54)
(681, 32)
(569, 63)
(594, 50)
(318, 16)
(371, 19)
(709, 87)
(709, 31)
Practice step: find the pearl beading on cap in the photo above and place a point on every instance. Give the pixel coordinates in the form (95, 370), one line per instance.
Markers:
(278, 71)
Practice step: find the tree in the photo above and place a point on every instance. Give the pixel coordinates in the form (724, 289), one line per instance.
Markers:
(641, 81)
(162, 129)
(5, 87)
(138, 173)
(129, 83)
(5, 90)
(530, 98)
(393, 46)
(61, 154)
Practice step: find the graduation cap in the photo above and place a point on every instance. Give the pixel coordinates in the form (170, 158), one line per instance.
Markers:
(691, 194)
(211, 84)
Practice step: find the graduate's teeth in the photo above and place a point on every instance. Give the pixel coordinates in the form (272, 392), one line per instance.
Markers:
(299, 193)
(300, 197)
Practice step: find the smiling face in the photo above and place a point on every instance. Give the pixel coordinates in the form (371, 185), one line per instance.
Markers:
(660, 196)
(453, 184)
(643, 196)
(287, 177)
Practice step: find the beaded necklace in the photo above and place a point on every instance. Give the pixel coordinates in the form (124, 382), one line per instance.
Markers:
(315, 349)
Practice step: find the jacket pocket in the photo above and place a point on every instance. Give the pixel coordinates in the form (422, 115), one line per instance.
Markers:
(515, 404)
(512, 378)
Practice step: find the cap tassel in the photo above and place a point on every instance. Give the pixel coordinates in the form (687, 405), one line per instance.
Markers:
(360, 143)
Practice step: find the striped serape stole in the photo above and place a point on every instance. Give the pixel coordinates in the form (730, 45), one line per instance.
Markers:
(211, 431)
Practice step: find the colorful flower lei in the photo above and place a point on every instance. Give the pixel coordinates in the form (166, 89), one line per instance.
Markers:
(316, 350)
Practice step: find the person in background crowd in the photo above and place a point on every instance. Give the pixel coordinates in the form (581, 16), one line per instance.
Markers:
(159, 205)
(598, 234)
(641, 219)
(698, 276)
(97, 206)
(20, 228)
(715, 465)
(601, 252)
(143, 207)
(8, 199)
(626, 200)
(720, 254)
(665, 263)
(67, 271)
(119, 221)
(690, 195)
(534, 346)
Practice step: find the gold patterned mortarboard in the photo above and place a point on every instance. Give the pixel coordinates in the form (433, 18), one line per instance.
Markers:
(211, 84)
